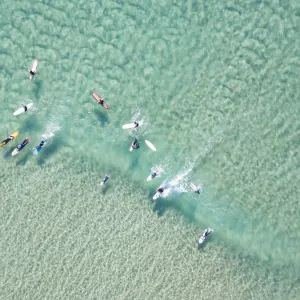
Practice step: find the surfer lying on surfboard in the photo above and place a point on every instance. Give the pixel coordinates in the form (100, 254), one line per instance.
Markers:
(23, 144)
(105, 180)
(4, 142)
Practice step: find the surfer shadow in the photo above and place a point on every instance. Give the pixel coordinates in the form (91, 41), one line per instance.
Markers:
(23, 160)
(31, 124)
(104, 189)
(37, 87)
(8, 152)
(160, 205)
(102, 117)
(49, 151)
(134, 163)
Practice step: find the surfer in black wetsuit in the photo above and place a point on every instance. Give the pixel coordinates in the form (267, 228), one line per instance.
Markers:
(198, 189)
(23, 144)
(10, 138)
(154, 174)
(135, 144)
(105, 179)
(32, 73)
(136, 124)
(41, 145)
(101, 101)
(25, 107)
(160, 190)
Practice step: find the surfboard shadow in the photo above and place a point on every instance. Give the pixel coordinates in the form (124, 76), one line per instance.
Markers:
(101, 116)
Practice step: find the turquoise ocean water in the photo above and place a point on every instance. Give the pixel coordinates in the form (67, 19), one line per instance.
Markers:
(217, 85)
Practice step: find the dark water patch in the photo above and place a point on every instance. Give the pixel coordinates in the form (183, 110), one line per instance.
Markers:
(8, 152)
(102, 117)
(31, 124)
(37, 86)
(23, 160)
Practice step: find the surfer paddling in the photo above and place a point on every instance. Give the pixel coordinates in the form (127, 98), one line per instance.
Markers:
(4, 142)
(105, 180)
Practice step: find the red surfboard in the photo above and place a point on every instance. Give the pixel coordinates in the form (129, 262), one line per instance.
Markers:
(98, 99)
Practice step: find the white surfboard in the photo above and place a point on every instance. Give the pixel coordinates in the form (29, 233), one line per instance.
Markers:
(157, 195)
(21, 110)
(15, 152)
(193, 187)
(149, 178)
(203, 237)
(128, 126)
(150, 145)
(33, 68)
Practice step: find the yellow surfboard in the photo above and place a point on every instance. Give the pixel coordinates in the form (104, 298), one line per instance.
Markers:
(13, 135)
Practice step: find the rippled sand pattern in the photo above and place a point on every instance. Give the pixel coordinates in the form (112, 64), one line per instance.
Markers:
(60, 241)
(217, 85)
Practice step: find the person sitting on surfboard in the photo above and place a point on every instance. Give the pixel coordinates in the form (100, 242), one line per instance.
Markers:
(155, 173)
(41, 145)
(136, 124)
(198, 189)
(135, 144)
(101, 101)
(160, 190)
(25, 107)
(32, 73)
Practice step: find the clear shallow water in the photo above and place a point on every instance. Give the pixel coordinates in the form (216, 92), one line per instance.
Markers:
(217, 85)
